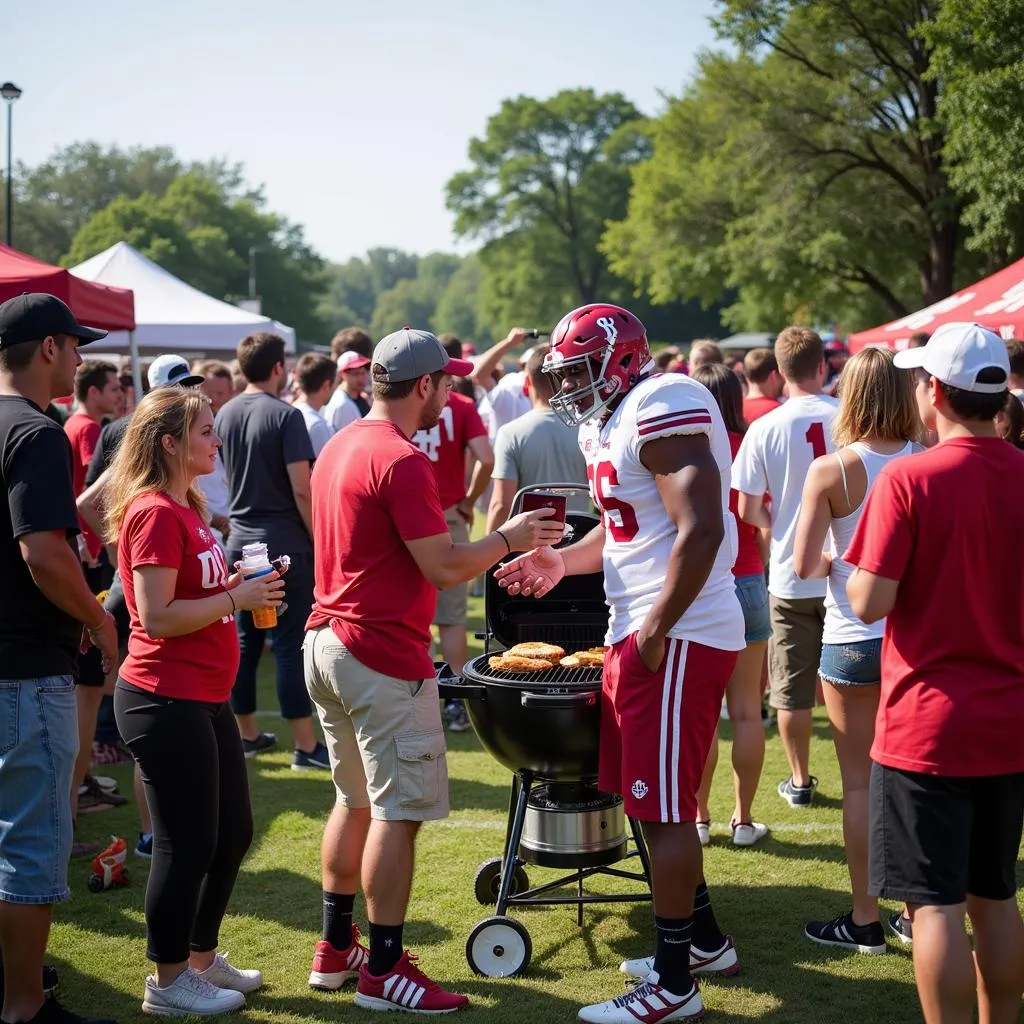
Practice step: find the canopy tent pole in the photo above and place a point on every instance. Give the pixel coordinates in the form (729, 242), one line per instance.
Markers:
(133, 348)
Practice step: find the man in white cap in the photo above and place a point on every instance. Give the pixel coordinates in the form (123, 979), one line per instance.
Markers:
(936, 554)
(349, 403)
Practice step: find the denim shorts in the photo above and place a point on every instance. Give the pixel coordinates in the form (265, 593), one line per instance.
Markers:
(753, 594)
(853, 664)
(38, 747)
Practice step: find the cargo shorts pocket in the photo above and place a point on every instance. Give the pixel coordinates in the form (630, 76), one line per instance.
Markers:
(9, 716)
(421, 763)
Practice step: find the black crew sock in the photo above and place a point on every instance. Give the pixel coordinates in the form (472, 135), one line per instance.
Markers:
(338, 918)
(672, 953)
(706, 933)
(385, 948)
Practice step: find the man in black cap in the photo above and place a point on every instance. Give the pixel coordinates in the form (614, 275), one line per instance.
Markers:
(44, 604)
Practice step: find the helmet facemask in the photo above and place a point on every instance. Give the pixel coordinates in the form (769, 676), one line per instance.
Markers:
(602, 390)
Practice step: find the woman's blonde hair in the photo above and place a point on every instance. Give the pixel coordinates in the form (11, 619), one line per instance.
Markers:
(141, 465)
(875, 400)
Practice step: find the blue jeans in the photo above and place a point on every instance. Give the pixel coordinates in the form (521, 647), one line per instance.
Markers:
(286, 642)
(38, 747)
(752, 592)
(852, 664)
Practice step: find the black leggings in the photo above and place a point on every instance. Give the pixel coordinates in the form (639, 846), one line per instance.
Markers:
(193, 768)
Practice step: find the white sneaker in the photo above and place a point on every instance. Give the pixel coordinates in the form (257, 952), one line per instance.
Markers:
(748, 833)
(189, 996)
(704, 832)
(722, 961)
(225, 975)
(648, 1003)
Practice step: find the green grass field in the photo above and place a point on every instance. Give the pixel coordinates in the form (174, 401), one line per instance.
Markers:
(762, 896)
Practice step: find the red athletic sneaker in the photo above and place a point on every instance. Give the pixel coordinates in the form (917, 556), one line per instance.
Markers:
(405, 988)
(333, 967)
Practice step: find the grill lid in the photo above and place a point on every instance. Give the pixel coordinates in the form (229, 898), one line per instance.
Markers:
(574, 615)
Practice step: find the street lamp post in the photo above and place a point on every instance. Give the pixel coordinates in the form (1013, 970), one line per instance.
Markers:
(10, 92)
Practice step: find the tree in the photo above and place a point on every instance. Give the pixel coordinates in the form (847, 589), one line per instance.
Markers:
(201, 230)
(546, 177)
(458, 310)
(408, 302)
(805, 174)
(979, 59)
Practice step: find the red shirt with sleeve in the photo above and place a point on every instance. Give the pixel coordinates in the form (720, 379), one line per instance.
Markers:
(748, 559)
(945, 524)
(445, 444)
(755, 408)
(83, 433)
(373, 490)
(156, 530)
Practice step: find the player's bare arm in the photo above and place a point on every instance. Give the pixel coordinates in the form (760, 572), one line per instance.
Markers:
(871, 597)
(689, 482)
(538, 572)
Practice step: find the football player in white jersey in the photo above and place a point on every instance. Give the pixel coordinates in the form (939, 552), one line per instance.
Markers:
(658, 460)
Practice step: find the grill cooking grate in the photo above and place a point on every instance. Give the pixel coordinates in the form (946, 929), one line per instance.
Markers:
(586, 676)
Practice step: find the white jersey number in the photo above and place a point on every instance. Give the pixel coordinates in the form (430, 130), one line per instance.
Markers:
(429, 441)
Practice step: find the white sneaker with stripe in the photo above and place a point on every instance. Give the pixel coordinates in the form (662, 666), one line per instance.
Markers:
(648, 1003)
(703, 963)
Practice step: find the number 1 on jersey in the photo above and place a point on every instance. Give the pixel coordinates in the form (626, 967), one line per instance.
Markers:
(815, 437)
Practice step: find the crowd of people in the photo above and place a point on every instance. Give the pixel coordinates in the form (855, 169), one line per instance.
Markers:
(820, 523)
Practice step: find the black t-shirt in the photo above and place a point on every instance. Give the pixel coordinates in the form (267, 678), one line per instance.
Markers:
(106, 448)
(361, 404)
(36, 637)
(261, 437)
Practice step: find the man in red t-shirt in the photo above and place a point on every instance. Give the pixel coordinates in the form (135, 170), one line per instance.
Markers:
(383, 550)
(98, 393)
(935, 555)
(764, 383)
(458, 437)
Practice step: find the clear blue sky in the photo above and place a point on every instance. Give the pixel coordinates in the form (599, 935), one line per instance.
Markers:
(353, 115)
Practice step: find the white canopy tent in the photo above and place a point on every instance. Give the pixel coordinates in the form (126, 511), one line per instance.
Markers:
(172, 316)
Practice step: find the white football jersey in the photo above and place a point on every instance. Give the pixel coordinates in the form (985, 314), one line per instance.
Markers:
(777, 451)
(639, 534)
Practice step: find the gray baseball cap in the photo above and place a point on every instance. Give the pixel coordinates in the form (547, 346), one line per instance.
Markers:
(408, 354)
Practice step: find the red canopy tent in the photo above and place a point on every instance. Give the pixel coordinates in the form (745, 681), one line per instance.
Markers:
(95, 305)
(996, 302)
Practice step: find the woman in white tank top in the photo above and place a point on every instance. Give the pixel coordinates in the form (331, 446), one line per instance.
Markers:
(877, 422)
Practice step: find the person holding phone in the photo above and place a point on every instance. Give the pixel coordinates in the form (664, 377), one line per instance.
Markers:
(173, 690)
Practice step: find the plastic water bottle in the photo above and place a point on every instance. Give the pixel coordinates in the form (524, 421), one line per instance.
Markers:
(255, 562)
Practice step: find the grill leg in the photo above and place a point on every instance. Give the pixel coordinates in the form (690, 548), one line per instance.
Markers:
(641, 849)
(579, 893)
(521, 792)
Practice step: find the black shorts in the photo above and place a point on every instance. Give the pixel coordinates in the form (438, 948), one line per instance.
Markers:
(934, 839)
(90, 664)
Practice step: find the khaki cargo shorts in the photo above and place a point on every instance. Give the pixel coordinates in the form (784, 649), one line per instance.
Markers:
(384, 735)
(451, 603)
(794, 651)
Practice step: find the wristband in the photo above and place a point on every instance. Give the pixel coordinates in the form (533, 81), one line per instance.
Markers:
(505, 539)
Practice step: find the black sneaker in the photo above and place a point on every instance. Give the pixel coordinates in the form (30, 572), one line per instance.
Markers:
(458, 719)
(50, 981)
(842, 932)
(51, 1012)
(316, 758)
(797, 796)
(901, 927)
(263, 741)
(93, 797)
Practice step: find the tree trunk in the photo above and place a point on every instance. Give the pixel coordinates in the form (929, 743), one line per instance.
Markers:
(938, 270)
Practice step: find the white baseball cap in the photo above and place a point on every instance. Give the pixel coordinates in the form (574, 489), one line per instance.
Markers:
(956, 353)
(168, 369)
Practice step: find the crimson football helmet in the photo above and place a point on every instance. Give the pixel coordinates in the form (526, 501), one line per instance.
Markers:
(610, 343)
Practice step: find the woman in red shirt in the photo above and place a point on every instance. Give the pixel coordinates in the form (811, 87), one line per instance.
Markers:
(172, 692)
(743, 694)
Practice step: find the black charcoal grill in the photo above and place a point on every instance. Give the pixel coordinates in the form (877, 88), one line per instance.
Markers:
(544, 728)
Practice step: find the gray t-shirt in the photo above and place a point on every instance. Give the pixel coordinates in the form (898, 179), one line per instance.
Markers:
(538, 448)
(262, 436)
